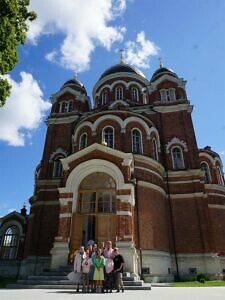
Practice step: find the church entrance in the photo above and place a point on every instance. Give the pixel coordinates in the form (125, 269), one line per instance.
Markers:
(95, 216)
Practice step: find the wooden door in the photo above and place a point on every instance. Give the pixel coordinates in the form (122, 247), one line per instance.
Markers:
(76, 232)
(106, 228)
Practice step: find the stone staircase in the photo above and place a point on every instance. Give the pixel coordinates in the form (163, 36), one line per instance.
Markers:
(57, 279)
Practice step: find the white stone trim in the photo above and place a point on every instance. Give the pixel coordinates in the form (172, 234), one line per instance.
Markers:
(210, 158)
(65, 215)
(65, 201)
(56, 202)
(183, 173)
(58, 151)
(217, 206)
(66, 161)
(150, 162)
(119, 75)
(81, 96)
(184, 181)
(47, 182)
(216, 194)
(176, 141)
(149, 170)
(91, 166)
(123, 123)
(124, 213)
(126, 198)
(185, 196)
(78, 128)
(61, 120)
(173, 108)
(48, 190)
(215, 187)
(152, 186)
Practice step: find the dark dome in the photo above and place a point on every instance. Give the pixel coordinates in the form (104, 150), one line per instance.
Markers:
(162, 71)
(74, 83)
(121, 68)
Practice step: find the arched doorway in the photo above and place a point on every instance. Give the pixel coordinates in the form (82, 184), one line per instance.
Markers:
(95, 214)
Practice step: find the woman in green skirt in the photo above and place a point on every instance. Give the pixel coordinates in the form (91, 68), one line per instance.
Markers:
(99, 263)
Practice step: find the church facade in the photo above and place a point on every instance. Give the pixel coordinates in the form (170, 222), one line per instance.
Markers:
(127, 170)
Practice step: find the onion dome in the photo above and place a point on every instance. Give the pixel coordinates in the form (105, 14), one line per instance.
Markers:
(121, 68)
(74, 84)
(162, 71)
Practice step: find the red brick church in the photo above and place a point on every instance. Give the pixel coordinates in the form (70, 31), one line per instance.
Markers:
(128, 170)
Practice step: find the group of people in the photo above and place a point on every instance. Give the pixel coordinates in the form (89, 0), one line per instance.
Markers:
(98, 268)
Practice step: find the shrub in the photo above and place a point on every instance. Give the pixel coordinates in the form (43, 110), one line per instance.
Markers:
(201, 278)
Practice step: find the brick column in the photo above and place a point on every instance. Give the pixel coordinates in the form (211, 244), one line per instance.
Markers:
(60, 248)
(125, 230)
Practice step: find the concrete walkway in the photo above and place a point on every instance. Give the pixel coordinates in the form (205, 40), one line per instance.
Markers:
(157, 293)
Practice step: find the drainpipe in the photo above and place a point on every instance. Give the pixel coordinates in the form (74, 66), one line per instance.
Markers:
(168, 192)
(135, 182)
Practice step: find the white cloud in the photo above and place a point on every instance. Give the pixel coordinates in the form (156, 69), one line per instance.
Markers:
(138, 53)
(23, 110)
(84, 25)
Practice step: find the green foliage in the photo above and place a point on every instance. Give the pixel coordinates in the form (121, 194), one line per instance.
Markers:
(201, 277)
(198, 284)
(13, 27)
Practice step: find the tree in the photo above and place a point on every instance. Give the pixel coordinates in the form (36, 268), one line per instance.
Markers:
(13, 27)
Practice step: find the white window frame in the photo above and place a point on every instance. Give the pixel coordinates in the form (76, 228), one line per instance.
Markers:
(182, 166)
(113, 136)
(207, 175)
(57, 168)
(104, 97)
(155, 149)
(119, 93)
(10, 243)
(70, 106)
(219, 175)
(140, 142)
(134, 94)
(80, 142)
(168, 94)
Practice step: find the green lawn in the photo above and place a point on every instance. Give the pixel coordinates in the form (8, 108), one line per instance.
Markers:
(198, 284)
(5, 281)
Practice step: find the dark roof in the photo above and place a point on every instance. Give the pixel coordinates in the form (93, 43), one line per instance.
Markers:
(73, 83)
(121, 68)
(162, 71)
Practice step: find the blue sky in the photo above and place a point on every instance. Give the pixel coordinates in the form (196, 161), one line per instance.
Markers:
(84, 36)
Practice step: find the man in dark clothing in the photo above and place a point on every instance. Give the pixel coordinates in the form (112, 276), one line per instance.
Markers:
(118, 269)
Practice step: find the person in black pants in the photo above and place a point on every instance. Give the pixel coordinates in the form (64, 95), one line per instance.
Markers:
(118, 269)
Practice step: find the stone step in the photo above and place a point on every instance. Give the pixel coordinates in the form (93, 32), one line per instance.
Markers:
(67, 282)
(66, 286)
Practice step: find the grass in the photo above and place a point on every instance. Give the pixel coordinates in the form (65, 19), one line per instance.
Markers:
(198, 284)
(5, 281)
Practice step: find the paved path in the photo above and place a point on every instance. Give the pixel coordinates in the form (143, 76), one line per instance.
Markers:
(157, 293)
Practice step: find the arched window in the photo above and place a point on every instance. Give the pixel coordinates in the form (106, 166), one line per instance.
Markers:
(177, 158)
(205, 169)
(155, 149)
(57, 168)
(134, 94)
(70, 106)
(119, 93)
(63, 107)
(136, 141)
(10, 243)
(104, 97)
(219, 175)
(108, 136)
(83, 141)
(168, 94)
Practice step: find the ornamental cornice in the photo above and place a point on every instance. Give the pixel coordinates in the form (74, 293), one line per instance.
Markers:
(176, 141)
